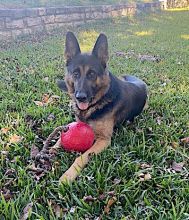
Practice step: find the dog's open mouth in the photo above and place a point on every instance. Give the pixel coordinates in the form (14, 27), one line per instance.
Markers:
(83, 105)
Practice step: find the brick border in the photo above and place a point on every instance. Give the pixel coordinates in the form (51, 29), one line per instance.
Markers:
(16, 22)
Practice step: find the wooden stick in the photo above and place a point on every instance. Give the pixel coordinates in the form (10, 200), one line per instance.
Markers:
(44, 153)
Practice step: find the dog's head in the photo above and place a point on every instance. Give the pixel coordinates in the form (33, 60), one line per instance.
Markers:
(87, 77)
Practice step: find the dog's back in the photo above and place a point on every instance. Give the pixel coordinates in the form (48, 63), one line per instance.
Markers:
(133, 97)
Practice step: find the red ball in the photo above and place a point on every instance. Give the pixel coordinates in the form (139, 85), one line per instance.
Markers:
(79, 137)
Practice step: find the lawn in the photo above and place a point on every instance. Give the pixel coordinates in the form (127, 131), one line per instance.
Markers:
(145, 171)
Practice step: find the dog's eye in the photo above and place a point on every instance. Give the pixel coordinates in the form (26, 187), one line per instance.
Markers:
(76, 75)
(91, 75)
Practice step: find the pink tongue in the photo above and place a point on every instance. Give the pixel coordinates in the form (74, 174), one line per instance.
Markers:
(82, 105)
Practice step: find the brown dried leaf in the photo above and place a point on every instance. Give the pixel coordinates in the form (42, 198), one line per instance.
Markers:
(35, 169)
(27, 211)
(10, 172)
(9, 182)
(45, 98)
(53, 99)
(34, 151)
(15, 139)
(185, 140)
(146, 57)
(38, 177)
(98, 218)
(120, 53)
(57, 210)
(177, 166)
(4, 152)
(6, 194)
(50, 117)
(5, 130)
(101, 197)
(38, 103)
(116, 181)
(145, 166)
(175, 145)
(145, 176)
(88, 199)
(111, 193)
(111, 201)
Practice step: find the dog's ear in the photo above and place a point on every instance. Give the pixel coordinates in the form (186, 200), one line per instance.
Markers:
(72, 46)
(62, 85)
(100, 49)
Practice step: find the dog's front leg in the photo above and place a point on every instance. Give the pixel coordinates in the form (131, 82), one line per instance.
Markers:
(80, 162)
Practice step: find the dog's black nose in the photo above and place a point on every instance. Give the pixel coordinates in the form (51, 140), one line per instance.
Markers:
(81, 96)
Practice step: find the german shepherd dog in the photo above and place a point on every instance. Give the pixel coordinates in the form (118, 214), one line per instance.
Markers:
(98, 97)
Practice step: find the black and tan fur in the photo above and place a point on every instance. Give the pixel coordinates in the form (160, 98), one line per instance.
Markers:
(104, 99)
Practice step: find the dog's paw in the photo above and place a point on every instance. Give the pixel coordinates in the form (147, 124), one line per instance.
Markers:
(69, 176)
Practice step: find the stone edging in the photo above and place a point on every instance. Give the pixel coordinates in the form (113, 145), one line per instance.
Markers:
(15, 22)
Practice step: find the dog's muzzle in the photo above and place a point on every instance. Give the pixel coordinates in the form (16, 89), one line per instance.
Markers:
(82, 101)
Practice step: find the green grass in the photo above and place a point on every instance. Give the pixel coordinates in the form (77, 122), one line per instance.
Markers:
(23, 67)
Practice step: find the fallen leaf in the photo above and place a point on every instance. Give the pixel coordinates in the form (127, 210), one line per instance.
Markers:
(89, 198)
(57, 209)
(10, 172)
(4, 152)
(33, 168)
(111, 201)
(144, 176)
(145, 166)
(120, 54)
(45, 98)
(150, 129)
(53, 99)
(34, 151)
(175, 145)
(111, 193)
(5, 130)
(185, 140)
(46, 79)
(145, 57)
(15, 139)
(38, 177)
(6, 194)
(158, 119)
(9, 182)
(101, 197)
(98, 218)
(27, 211)
(38, 103)
(116, 181)
(147, 176)
(72, 210)
(177, 166)
(51, 117)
